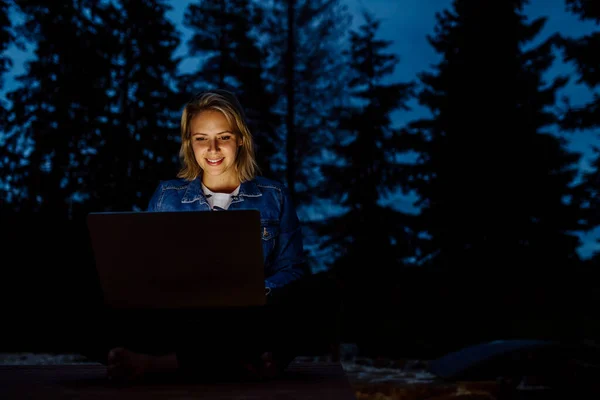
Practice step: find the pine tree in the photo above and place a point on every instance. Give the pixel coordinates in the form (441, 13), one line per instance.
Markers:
(59, 108)
(584, 53)
(6, 157)
(304, 40)
(492, 180)
(363, 170)
(370, 241)
(140, 145)
(6, 39)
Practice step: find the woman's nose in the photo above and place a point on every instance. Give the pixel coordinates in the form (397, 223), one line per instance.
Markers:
(213, 145)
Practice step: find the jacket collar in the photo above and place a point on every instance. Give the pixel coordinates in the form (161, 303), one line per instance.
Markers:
(194, 192)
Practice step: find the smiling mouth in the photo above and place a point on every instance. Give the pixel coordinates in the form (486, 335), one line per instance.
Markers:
(214, 162)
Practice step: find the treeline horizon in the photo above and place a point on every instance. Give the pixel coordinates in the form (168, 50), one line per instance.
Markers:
(94, 125)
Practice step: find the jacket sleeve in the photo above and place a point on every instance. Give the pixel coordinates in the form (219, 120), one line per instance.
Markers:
(289, 262)
(153, 204)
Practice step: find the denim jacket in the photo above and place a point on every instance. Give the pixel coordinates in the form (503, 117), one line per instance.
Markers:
(281, 233)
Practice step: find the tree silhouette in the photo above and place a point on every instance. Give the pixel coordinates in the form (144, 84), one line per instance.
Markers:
(59, 107)
(304, 40)
(370, 240)
(492, 181)
(6, 39)
(58, 111)
(140, 143)
(7, 158)
(584, 53)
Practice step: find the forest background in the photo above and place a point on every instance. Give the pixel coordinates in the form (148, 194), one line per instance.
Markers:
(469, 185)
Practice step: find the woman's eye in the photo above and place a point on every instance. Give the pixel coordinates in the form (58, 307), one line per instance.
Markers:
(225, 137)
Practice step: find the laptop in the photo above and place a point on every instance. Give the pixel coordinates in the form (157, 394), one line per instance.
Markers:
(178, 259)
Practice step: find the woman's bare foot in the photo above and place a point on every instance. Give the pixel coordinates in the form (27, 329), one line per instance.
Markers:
(126, 365)
(265, 368)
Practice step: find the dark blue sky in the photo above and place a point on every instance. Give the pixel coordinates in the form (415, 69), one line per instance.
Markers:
(407, 23)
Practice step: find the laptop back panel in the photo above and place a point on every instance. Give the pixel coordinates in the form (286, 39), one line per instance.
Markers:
(179, 260)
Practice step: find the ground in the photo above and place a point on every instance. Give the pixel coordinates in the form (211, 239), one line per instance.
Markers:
(372, 379)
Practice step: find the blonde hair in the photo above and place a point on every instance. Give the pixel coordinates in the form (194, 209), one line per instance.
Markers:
(226, 103)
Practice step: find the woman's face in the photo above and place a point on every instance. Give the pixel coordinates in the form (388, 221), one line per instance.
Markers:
(215, 147)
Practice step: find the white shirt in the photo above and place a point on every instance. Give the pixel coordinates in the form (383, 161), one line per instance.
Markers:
(219, 200)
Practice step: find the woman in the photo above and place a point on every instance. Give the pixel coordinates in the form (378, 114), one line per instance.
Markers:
(219, 172)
